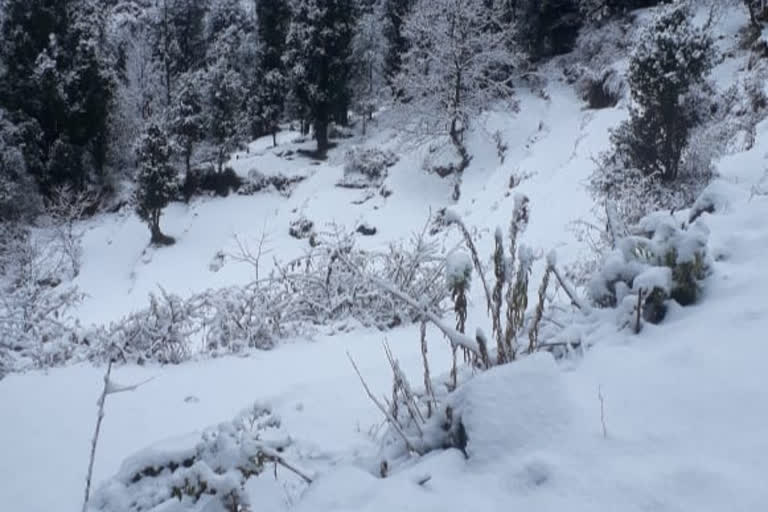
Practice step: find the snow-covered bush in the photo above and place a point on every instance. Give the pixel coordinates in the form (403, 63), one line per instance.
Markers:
(36, 303)
(238, 318)
(209, 476)
(160, 332)
(365, 167)
(428, 417)
(660, 261)
(256, 182)
(666, 76)
(325, 285)
(317, 289)
(301, 228)
(602, 89)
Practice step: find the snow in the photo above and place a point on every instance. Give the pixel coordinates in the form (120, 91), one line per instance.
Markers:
(513, 409)
(681, 404)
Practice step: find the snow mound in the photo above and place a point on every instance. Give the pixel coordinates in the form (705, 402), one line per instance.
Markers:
(514, 408)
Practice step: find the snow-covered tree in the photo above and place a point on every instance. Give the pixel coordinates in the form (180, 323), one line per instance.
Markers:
(672, 58)
(18, 195)
(157, 181)
(394, 16)
(223, 111)
(186, 117)
(56, 72)
(273, 18)
(456, 66)
(369, 47)
(318, 54)
(666, 75)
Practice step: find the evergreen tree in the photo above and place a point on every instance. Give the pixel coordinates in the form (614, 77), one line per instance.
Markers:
(224, 108)
(395, 14)
(672, 58)
(55, 73)
(186, 119)
(19, 199)
(368, 52)
(548, 28)
(273, 19)
(156, 182)
(319, 55)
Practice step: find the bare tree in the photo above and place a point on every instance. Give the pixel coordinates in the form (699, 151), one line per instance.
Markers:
(65, 209)
(459, 64)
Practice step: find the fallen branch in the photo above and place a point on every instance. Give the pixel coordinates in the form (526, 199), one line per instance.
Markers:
(454, 336)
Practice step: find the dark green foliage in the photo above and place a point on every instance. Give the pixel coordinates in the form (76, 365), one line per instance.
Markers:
(224, 123)
(599, 10)
(273, 19)
(547, 27)
(672, 59)
(19, 199)
(186, 116)
(156, 183)
(56, 77)
(319, 55)
(395, 13)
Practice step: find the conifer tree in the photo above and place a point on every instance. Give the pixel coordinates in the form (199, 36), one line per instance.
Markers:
(672, 58)
(273, 19)
(319, 52)
(395, 14)
(186, 118)
(56, 75)
(156, 182)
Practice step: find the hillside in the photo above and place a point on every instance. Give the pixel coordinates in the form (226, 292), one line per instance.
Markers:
(667, 419)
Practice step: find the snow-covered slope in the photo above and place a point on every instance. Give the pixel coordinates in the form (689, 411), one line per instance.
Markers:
(683, 404)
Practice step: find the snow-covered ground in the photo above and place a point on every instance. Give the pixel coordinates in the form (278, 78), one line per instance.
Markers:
(684, 405)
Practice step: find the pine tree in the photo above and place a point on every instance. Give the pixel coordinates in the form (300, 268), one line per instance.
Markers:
(223, 111)
(544, 29)
(186, 119)
(156, 182)
(319, 55)
(56, 73)
(672, 58)
(368, 55)
(395, 14)
(273, 19)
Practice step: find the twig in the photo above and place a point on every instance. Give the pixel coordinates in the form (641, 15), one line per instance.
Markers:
(575, 300)
(110, 388)
(455, 337)
(431, 400)
(275, 457)
(638, 324)
(602, 411)
(95, 440)
(392, 421)
(533, 333)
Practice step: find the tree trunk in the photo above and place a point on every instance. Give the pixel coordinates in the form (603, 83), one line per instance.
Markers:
(321, 134)
(158, 238)
(274, 138)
